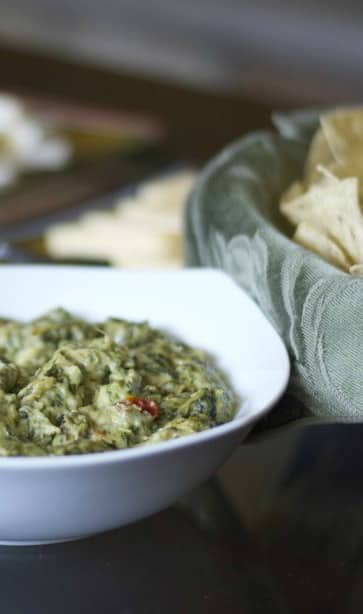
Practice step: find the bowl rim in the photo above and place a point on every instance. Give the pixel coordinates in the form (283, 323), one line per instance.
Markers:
(243, 417)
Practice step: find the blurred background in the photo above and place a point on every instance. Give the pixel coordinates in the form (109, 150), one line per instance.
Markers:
(111, 94)
(274, 49)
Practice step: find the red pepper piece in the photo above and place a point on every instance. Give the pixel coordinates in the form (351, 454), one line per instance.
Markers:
(144, 404)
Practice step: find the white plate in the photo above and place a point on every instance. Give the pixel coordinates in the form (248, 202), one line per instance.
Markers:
(60, 498)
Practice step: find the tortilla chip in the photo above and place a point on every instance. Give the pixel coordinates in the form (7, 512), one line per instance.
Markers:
(356, 270)
(333, 208)
(343, 131)
(319, 155)
(326, 206)
(337, 145)
(319, 243)
(295, 190)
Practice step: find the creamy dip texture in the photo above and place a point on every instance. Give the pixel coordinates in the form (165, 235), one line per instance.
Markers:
(70, 387)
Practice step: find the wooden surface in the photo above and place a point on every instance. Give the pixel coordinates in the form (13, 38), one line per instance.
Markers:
(198, 123)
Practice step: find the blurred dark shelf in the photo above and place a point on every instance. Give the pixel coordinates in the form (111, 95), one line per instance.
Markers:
(198, 123)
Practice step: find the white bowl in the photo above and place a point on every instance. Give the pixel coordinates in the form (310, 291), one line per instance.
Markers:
(48, 499)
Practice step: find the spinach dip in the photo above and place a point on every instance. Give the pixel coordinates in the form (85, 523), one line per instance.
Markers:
(69, 387)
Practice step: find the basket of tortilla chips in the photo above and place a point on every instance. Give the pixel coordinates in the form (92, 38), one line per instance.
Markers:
(282, 212)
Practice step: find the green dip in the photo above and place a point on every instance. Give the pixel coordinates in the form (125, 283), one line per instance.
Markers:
(69, 387)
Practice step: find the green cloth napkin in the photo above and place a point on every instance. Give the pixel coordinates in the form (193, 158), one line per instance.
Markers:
(233, 223)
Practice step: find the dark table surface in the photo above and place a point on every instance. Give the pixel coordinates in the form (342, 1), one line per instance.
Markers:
(278, 530)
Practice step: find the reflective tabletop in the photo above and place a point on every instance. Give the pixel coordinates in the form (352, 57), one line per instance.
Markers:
(278, 530)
